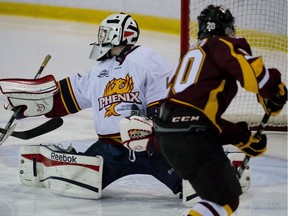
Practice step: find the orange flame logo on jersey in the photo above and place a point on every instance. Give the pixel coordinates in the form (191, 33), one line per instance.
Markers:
(116, 92)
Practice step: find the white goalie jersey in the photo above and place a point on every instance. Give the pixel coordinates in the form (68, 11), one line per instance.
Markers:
(112, 86)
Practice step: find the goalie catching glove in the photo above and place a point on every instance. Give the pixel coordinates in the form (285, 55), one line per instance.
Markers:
(34, 96)
(137, 133)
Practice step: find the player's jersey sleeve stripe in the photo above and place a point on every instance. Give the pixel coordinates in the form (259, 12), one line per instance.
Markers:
(228, 209)
(68, 97)
(257, 66)
(265, 79)
(249, 75)
(72, 95)
(62, 99)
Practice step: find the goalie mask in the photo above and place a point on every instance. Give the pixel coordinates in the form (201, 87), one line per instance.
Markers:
(215, 21)
(115, 30)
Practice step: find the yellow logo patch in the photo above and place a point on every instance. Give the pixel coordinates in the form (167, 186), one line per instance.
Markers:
(118, 91)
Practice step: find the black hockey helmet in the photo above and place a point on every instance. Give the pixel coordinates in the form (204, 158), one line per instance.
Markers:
(215, 20)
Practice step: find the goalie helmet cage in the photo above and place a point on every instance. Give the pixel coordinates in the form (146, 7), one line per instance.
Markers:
(264, 25)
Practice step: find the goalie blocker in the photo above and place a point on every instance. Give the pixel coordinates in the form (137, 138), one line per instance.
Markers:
(63, 173)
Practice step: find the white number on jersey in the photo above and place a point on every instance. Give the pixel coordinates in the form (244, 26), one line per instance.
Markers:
(189, 69)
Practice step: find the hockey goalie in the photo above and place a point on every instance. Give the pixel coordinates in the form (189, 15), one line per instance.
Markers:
(125, 74)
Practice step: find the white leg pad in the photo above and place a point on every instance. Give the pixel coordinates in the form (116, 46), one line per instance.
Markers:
(189, 194)
(66, 174)
(31, 166)
(236, 159)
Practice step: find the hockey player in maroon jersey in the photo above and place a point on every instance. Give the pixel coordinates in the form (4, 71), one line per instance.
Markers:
(191, 131)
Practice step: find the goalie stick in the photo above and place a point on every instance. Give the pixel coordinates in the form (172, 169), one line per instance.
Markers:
(9, 128)
(258, 134)
(46, 127)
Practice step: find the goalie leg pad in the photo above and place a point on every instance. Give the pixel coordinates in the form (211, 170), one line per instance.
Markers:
(236, 159)
(66, 174)
(31, 166)
(189, 194)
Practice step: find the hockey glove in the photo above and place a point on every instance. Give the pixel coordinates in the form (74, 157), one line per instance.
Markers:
(234, 133)
(137, 133)
(253, 147)
(34, 96)
(275, 104)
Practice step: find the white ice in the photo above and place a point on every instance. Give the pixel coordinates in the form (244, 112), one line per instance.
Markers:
(24, 42)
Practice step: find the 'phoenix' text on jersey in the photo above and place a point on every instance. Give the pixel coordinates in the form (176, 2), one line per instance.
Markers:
(131, 97)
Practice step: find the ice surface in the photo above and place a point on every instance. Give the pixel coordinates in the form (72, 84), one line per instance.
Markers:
(24, 42)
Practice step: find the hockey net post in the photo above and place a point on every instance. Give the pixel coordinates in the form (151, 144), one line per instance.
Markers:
(264, 25)
(185, 27)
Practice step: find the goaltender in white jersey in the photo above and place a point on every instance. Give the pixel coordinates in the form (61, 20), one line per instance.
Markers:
(128, 79)
(114, 85)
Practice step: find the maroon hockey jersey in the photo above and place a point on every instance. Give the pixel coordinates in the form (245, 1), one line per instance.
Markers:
(206, 77)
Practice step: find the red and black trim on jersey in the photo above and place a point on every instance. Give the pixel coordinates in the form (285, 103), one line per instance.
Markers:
(64, 102)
